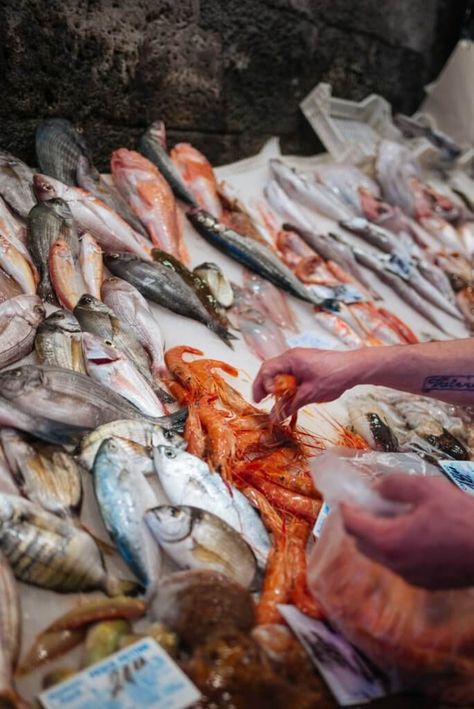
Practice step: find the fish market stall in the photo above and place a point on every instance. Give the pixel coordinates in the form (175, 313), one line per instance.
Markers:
(143, 493)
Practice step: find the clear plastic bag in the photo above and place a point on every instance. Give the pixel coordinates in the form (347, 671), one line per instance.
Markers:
(424, 638)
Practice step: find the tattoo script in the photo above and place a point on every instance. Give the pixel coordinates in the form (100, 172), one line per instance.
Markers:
(449, 382)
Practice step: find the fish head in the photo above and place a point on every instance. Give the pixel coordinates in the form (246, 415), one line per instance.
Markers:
(60, 209)
(62, 320)
(88, 308)
(157, 133)
(46, 188)
(98, 351)
(159, 435)
(170, 523)
(21, 380)
(116, 259)
(28, 307)
(112, 453)
(166, 458)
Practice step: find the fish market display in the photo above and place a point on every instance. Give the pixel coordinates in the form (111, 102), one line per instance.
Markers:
(166, 287)
(66, 558)
(10, 624)
(150, 198)
(124, 496)
(196, 539)
(46, 475)
(152, 145)
(198, 175)
(19, 319)
(101, 424)
(110, 367)
(250, 253)
(133, 310)
(58, 342)
(94, 216)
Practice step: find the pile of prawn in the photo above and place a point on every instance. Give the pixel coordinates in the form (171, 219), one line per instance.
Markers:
(267, 461)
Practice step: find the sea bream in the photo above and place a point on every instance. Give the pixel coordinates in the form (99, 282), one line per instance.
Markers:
(132, 308)
(69, 398)
(109, 366)
(187, 479)
(47, 223)
(58, 342)
(47, 551)
(196, 539)
(94, 216)
(19, 319)
(46, 475)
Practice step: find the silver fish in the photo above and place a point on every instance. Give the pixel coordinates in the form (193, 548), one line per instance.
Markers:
(47, 222)
(375, 235)
(308, 192)
(123, 496)
(58, 342)
(99, 320)
(19, 318)
(110, 367)
(330, 247)
(152, 145)
(196, 539)
(141, 433)
(70, 398)
(47, 551)
(187, 480)
(218, 284)
(133, 310)
(346, 182)
(168, 288)
(10, 630)
(46, 475)
(40, 426)
(16, 184)
(252, 254)
(94, 216)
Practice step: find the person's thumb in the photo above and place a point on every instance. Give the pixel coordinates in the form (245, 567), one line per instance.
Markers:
(402, 487)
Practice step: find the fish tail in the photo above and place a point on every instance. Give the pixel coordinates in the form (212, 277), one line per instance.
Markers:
(164, 396)
(223, 334)
(122, 587)
(56, 432)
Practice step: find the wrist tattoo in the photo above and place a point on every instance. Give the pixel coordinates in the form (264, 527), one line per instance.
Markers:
(449, 382)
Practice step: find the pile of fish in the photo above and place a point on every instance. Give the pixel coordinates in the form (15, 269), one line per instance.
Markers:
(181, 465)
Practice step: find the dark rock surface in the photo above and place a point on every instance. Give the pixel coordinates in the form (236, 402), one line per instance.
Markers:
(224, 75)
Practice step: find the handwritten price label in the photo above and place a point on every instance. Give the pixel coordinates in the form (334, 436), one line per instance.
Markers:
(142, 675)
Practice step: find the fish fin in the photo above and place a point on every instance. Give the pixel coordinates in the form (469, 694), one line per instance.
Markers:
(105, 547)
(164, 396)
(176, 421)
(223, 334)
(122, 587)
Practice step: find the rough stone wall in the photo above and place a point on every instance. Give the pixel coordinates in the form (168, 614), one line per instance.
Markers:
(224, 74)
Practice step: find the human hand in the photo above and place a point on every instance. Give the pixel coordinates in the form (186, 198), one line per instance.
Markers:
(321, 375)
(432, 545)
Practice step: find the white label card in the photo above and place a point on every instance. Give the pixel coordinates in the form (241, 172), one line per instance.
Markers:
(461, 472)
(142, 675)
(320, 519)
(351, 677)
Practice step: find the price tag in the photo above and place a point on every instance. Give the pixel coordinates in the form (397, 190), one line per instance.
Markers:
(351, 677)
(142, 675)
(461, 472)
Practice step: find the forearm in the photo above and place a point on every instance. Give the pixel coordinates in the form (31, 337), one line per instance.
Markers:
(442, 370)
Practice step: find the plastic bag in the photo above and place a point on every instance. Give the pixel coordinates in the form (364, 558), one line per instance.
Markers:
(424, 638)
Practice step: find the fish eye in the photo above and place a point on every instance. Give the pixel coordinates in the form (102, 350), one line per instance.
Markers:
(16, 372)
(168, 434)
(39, 309)
(109, 343)
(87, 299)
(174, 511)
(169, 453)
